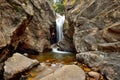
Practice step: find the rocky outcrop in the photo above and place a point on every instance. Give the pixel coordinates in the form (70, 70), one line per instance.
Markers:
(37, 34)
(96, 34)
(67, 72)
(91, 58)
(94, 22)
(111, 66)
(16, 64)
(107, 63)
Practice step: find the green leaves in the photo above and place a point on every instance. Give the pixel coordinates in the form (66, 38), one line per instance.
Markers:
(59, 7)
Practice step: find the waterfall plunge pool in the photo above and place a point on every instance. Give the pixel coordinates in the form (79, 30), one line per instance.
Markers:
(49, 62)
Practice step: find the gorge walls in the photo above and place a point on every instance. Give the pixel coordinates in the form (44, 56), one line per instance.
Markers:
(94, 30)
(37, 35)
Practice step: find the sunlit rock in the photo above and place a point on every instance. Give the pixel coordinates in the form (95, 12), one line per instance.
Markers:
(37, 35)
(16, 64)
(67, 72)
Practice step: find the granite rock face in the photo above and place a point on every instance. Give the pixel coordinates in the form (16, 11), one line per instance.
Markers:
(96, 34)
(16, 64)
(37, 34)
(95, 22)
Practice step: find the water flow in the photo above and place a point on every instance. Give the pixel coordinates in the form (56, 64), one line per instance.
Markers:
(59, 26)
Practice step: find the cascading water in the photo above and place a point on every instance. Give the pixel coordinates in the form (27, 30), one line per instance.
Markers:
(59, 30)
(59, 26)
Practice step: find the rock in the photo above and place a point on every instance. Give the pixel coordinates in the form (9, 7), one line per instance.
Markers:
(95, 75)
(85, 41)
(37, 35)
(109, 47)
(92, 58)
(17, 64)
(110, 67)
(2, 40)
(95, 26)
(67, 43)
(107, 63)
(1, 70)
(88, 25)
(67, 72)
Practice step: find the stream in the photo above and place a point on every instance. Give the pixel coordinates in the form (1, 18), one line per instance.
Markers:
(53, 60)
(49, 62)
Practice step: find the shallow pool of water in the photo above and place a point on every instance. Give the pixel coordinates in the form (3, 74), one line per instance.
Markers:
(54, 57)
(49, 62)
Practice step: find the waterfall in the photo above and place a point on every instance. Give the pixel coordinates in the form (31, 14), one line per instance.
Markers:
(59, 32)
(59, 26)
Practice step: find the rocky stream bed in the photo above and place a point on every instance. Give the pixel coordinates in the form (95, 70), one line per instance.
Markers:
(91, 33)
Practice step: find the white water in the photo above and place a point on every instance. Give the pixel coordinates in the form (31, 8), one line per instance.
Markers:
(57, 51)
(59, 28)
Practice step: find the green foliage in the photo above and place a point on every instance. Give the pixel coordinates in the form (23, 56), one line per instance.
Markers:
(59, 7)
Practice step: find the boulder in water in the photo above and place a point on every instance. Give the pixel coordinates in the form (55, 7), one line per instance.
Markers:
(16, 64)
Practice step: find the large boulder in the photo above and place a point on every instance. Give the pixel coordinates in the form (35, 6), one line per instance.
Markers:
(92, 22)
(37, 34)
(107, 63)
(91, 58)
(67, 72)
(110, 67)
(16, 64)
(96, 25)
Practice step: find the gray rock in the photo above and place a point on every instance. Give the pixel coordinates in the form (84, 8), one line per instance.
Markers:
(96, 34)
(16, 64)
(2, 40)
(92, 58)
(67, 72)
(96, 75)
(110, 67)
(85, 16)
(37, 34)
(107, 63)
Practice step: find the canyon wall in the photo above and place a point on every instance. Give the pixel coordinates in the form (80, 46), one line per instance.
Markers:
(95, 28)
(36, 36)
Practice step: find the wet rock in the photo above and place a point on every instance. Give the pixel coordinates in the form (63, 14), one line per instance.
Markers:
(1, 70)
(67, 72)
(16, 64)
(66, 45)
